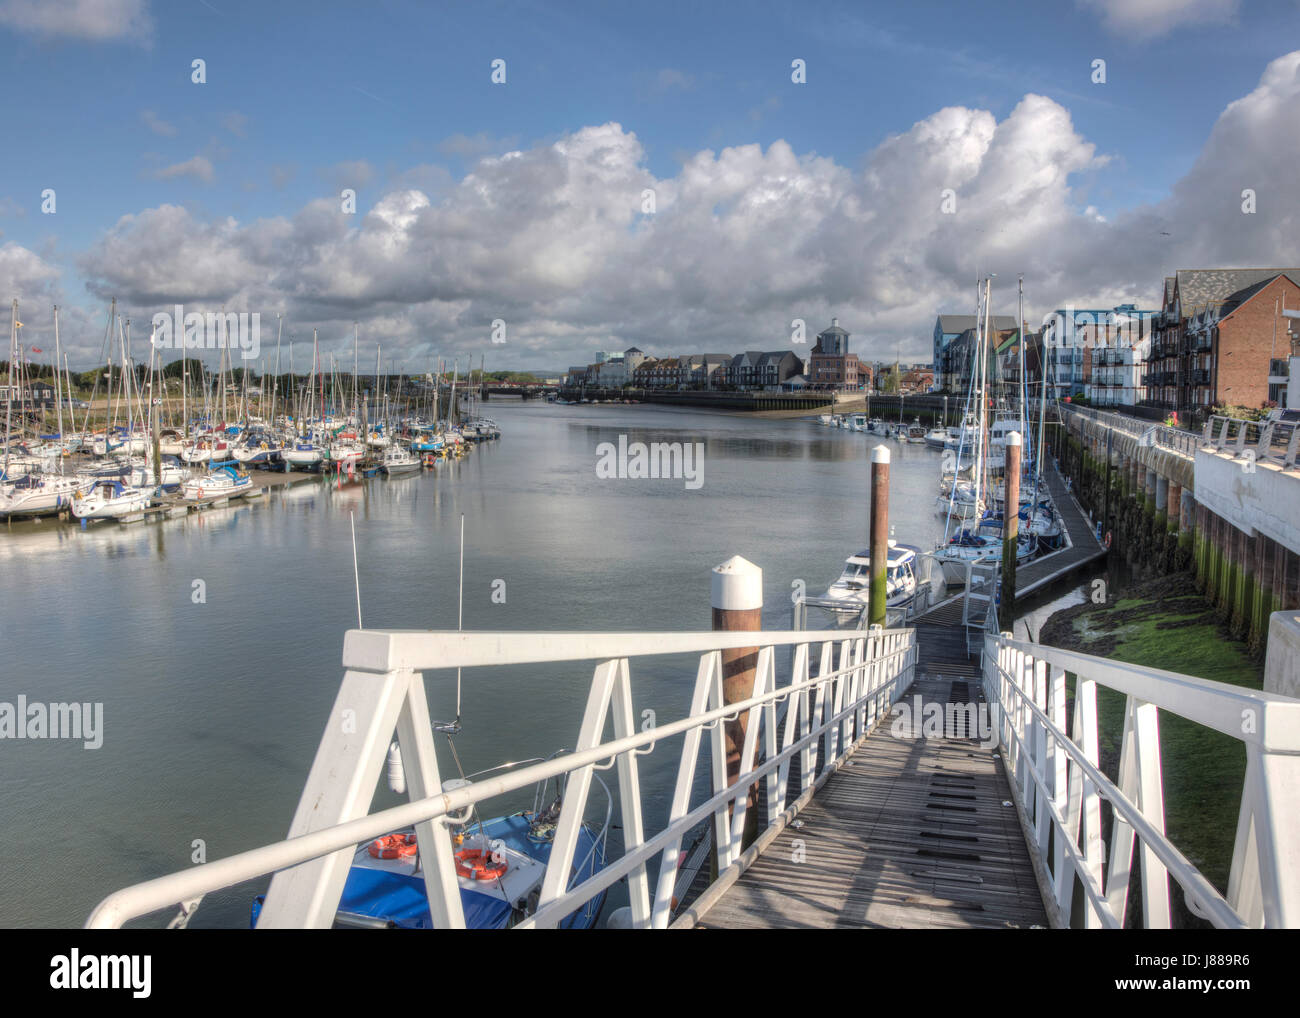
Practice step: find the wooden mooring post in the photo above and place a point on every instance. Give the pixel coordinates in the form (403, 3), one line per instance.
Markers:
(879, 546)
(737, 602)
(1011, 524)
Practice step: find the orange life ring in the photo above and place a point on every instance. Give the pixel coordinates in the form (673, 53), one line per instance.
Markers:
(473, 862)
(1107, 542)
(393, 846)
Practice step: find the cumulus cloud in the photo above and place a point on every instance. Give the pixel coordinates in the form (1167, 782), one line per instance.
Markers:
(198, 167)
(554, 240)
(1147, 19)
(89, 20)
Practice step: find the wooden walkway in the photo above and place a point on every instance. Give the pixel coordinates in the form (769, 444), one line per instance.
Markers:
(909, 833)
(1084, 546)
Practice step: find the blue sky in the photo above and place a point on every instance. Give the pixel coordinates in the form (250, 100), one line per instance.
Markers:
(302, 100)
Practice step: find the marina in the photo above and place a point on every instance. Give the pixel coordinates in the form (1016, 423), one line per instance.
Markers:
(549, 469)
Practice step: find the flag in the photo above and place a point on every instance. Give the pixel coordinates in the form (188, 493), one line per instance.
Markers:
(37, 349)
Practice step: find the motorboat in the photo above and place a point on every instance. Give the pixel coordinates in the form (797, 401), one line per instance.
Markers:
(397, 460)
(852, 587)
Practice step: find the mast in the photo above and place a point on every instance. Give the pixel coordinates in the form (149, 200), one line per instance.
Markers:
(58, 386)
(9, 390)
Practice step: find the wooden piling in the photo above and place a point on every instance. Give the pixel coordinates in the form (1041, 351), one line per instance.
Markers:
(879, 543)
(737, 602)
(1011, 524)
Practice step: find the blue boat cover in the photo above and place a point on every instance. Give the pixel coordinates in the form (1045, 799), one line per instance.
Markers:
(400, 898)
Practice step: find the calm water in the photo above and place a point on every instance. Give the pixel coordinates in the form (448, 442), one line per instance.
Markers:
(212, 711)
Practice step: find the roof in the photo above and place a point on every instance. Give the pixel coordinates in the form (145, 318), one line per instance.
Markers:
(1201, 286)
(1241, 296)
(833, 330)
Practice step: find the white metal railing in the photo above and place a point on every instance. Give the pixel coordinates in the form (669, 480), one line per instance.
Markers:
(1146, 432)
(831, 707)
(1060, 788)
(1265, 441)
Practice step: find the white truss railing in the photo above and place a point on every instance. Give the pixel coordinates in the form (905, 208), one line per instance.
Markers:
(859, 675)
(1265, 441)
(1147, 433)
(1060, 788)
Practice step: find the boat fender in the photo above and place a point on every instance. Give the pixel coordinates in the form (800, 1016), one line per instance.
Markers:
(396, 771)
(1106, 543)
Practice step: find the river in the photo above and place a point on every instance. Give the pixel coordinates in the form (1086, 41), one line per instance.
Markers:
(213, 641)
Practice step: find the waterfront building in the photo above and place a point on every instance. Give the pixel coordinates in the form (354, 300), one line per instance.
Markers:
(831, 366)
(947, 328)
(709, 370)
(1097, 353)
(1221, 337)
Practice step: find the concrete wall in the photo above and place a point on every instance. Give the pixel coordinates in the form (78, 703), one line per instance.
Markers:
(1282, 668)
(1262, 500)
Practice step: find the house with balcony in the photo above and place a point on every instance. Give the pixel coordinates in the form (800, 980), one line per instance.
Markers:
(1218, 336)
(1098, 353)
(949, 365)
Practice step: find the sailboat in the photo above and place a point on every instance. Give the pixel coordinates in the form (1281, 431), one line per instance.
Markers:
(109, 499)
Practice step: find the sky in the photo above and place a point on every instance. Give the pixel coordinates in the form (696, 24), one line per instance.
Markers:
(648, 175)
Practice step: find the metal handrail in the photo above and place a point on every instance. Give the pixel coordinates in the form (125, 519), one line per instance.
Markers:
(1146, 432)
(829, 714)
(1269, 441)
(1059, 787)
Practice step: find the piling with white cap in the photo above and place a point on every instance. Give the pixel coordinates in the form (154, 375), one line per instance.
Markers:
(879, 535)
(1011, 522)
(737, 602)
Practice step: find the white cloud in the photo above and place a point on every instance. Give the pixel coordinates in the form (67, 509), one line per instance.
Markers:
(472, 147)
(156, 124)
(1147, 19)
(199, 167)
(670, 78)
(90, 20)
(553, 240)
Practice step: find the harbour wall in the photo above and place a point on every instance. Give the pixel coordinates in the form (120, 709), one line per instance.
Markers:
(1233, 522)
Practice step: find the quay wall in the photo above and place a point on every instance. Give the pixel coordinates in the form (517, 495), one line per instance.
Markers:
(1233, 525)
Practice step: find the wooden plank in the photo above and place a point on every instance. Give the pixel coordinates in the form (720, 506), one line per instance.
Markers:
(910, 833)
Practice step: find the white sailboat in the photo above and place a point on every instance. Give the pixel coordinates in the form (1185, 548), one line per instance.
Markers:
(109, 499)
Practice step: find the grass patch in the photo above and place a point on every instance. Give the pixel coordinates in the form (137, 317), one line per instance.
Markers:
(1162, 626)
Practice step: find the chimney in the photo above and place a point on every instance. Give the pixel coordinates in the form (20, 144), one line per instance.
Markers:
(834, 322)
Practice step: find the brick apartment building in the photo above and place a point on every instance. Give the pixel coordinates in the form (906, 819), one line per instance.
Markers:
(831, 366)
(1221, 337)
